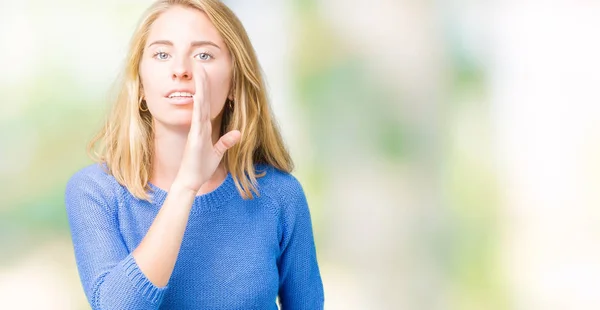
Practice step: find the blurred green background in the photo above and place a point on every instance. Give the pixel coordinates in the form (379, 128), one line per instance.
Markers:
(448, 149)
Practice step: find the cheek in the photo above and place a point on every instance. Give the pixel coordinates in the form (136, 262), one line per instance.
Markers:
(220, 86)
(148, 77)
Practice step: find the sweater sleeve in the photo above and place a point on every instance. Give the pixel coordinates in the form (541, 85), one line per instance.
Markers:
(110, 276)
(300, 284)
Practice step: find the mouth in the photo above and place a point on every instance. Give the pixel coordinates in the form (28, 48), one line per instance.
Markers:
(180, 94)
(180, 97)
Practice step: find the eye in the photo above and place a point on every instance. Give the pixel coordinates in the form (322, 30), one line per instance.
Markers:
(204, 56)
(161, 55)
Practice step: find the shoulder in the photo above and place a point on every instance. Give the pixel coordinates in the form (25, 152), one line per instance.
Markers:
(278, 183)
(287, 192)
(291, 206)
(92, 181)
(92, 174)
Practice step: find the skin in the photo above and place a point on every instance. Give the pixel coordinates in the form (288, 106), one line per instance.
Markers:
(183, 51)
(181, 43)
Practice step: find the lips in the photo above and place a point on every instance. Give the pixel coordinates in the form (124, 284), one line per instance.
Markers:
(180, 94)
(180, 97)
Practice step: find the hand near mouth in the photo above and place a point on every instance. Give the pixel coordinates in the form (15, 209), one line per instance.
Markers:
(201, 158)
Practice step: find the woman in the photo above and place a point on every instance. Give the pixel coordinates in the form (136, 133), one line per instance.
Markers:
(192, 204)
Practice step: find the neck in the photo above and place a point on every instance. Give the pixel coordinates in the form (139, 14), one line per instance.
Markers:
(169, 145)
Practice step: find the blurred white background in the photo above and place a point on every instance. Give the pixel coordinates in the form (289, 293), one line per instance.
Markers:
(449, 149)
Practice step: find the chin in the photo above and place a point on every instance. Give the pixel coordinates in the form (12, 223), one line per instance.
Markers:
(179, 119)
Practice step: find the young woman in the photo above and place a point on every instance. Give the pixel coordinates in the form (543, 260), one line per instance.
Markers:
(191, 204)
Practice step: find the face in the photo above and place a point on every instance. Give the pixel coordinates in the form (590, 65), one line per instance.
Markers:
(180, 41)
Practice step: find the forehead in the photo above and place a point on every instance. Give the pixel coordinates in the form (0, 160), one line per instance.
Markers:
(183, 24)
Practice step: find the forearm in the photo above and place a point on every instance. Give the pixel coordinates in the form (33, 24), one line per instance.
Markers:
(157, 253)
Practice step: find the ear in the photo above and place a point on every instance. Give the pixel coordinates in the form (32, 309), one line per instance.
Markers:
(231, 91)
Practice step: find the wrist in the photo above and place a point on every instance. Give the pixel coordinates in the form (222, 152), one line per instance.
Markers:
(182, 188)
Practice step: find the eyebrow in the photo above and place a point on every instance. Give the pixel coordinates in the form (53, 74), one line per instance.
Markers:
(193, 44)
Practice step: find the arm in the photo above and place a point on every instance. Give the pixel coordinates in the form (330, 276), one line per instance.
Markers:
(157, 253)
(300, 284)
(111, 277)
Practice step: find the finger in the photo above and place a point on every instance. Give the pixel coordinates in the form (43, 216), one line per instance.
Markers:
(206, 91)
(227, 141)
(204, 103)
(198, 99)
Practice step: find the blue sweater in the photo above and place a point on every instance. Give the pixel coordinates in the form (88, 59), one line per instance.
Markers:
(235, 254)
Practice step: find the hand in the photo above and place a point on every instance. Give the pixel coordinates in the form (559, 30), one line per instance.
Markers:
(200, 157)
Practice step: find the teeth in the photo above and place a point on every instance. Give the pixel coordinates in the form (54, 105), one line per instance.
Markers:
(180, 94)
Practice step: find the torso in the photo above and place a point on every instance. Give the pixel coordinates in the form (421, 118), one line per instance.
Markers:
(228, 257)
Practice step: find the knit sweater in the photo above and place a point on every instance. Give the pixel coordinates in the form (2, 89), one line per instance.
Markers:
(235, 253)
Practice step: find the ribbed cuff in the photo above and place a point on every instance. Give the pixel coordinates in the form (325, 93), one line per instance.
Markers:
(150, 291)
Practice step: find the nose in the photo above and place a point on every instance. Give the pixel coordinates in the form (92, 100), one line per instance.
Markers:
(181, 70)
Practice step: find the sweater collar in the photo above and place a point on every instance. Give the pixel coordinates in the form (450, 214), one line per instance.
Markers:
(206, 202)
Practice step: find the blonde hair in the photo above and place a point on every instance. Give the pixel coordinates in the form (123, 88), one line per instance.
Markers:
(125, 143)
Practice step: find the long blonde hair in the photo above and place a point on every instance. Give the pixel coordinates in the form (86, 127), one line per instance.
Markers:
(125, 143)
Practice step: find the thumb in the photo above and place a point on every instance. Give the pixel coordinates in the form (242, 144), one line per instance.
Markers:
(227, 141)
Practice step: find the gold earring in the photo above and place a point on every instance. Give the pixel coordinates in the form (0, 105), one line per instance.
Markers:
(230, 103)
(142, 101)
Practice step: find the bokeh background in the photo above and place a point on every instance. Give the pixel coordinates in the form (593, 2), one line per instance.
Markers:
(449, 150)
